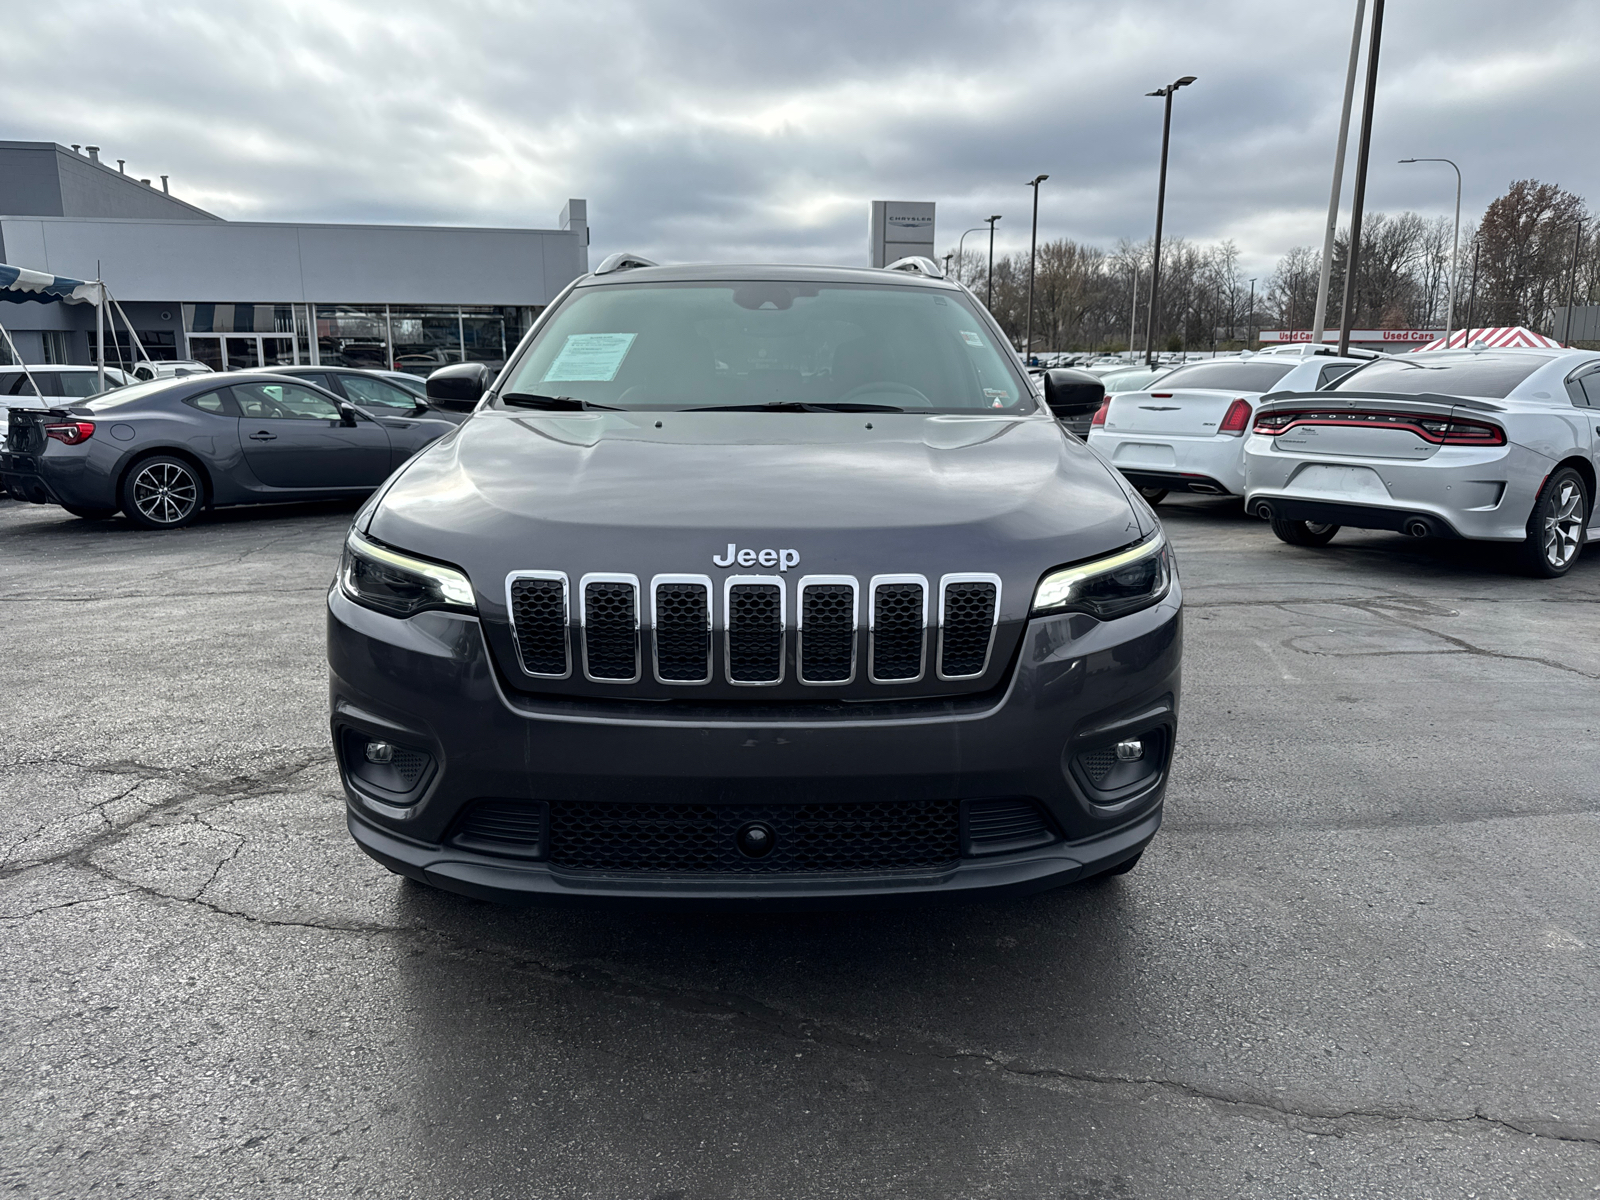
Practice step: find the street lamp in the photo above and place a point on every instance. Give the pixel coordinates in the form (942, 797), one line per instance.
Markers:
(988, 301)
(1033, 242)
(1455, 246)
(962, 242)
(1161, 204)
(1250, 318)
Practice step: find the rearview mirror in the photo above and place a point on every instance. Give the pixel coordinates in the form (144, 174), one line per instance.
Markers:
(459, 386)
(1070, 393)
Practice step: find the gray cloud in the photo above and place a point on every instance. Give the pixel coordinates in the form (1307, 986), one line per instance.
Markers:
(761, 130)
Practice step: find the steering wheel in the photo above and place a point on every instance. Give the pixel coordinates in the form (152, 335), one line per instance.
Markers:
(880, 387)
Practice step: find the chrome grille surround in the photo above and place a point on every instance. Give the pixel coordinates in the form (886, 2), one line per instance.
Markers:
(945, 581)
(874, 636)
(602, 624)
(518, 631)
(825, 581)
(730, 633)
(684, 582)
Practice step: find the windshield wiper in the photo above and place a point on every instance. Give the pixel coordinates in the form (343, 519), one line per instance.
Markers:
(564, 403)
(795, 406)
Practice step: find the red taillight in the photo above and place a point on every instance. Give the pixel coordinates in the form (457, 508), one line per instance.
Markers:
(71, 433)
(1441, 431)
(1100, 413)
(1237, 419)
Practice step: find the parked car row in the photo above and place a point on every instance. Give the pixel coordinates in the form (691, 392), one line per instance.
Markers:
(1496, 445)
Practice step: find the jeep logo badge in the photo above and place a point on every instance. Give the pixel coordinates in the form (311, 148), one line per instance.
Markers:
(782, 559)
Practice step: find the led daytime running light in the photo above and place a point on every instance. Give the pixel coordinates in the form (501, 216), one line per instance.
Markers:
(1057, 589)
(453, 587)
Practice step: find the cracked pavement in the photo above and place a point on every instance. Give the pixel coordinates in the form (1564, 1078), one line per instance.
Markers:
(1360, 959)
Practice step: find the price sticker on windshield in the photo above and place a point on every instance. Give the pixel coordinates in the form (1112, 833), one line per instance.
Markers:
(971, 338)
(590, 358)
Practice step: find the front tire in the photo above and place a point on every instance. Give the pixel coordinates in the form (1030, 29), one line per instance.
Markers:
(162, 492)
(1556, 527)
(1303, 533)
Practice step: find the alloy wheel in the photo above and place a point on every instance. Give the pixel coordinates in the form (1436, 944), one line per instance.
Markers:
(1563, 524)
(165, 493)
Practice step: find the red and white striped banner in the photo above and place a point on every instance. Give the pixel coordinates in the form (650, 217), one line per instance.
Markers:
(1505, 337)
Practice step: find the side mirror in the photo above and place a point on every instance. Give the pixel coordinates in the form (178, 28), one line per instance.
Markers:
(347, 416)
(1070, 393)
(459, 386)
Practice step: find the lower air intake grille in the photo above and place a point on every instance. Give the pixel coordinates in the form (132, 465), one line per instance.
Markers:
(539, 618)
(1004, 824)
(510, 827)
(967, 630)
(1097, 764)
(755, 633)
(827, 633)
(701, 838)
(682, 632)
(897, 625)
(611, 631)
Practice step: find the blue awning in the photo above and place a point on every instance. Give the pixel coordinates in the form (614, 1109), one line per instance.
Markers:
(18, 284)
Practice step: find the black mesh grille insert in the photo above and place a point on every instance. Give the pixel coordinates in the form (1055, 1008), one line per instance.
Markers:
(992, 821)
(502, 827)
(610, 632)
(755, 633)
(699, 838)
(968, 625)
(409, 765)
(827, 632)
(897, 631)
(683, 635)
(539, 619)
(1097, 764)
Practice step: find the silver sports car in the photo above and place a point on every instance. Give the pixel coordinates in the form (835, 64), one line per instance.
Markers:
(1498, 445)
(164, 451)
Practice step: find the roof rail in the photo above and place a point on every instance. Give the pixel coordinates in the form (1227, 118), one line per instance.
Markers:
(622, 261)
(916, 264)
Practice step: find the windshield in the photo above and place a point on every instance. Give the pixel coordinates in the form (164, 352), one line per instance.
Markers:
(767, 343)
(1229, 376)
(1478, 375)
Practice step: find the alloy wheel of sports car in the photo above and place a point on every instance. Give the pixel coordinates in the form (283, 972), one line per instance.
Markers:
(1304, 533)
(1555, 531)
(162, 493)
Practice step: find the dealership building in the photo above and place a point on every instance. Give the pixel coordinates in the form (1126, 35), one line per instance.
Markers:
(246, 294)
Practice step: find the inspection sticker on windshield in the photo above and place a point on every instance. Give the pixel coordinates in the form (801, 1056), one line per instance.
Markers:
(590, 357)
(971, 338)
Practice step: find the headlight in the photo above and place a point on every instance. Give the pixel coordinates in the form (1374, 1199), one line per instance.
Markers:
(398, 584)
(1108, 587)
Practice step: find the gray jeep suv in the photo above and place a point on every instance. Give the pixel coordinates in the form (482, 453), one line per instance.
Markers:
(755, 586)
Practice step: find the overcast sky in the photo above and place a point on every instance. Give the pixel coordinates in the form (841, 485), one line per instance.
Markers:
(754, 130)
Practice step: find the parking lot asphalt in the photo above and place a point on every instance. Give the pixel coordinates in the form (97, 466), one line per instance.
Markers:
(1360, 959)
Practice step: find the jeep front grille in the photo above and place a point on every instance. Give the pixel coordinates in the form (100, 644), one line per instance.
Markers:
(537, 601)
(827, 629)
(900, 613)
(899, 622)
(755, 630)
(611, 628)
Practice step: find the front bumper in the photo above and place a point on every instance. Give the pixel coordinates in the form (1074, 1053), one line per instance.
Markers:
(1485, 493)
(1210, 465)
(429, 683)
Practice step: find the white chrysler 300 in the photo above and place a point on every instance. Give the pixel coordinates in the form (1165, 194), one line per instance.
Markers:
(1498, 445)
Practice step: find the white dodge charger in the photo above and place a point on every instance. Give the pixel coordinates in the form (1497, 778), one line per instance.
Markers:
(1498, 445)
(1184, 431)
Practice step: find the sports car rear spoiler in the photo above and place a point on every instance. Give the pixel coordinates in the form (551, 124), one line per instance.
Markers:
(1420, 402)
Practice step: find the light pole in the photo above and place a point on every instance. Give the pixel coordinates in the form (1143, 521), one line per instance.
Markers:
(1250, 319)
(948, 256)
(961, 244)
(1455, 247)
(1359, 200)
(1324, 277)
(988, 300)
(1161, 205)
(1472, 296)
(1572, 283)
(1033, 242)
(1133, 308)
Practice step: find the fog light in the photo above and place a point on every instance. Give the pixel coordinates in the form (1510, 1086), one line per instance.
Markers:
(1131, 750)
(383, 752)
